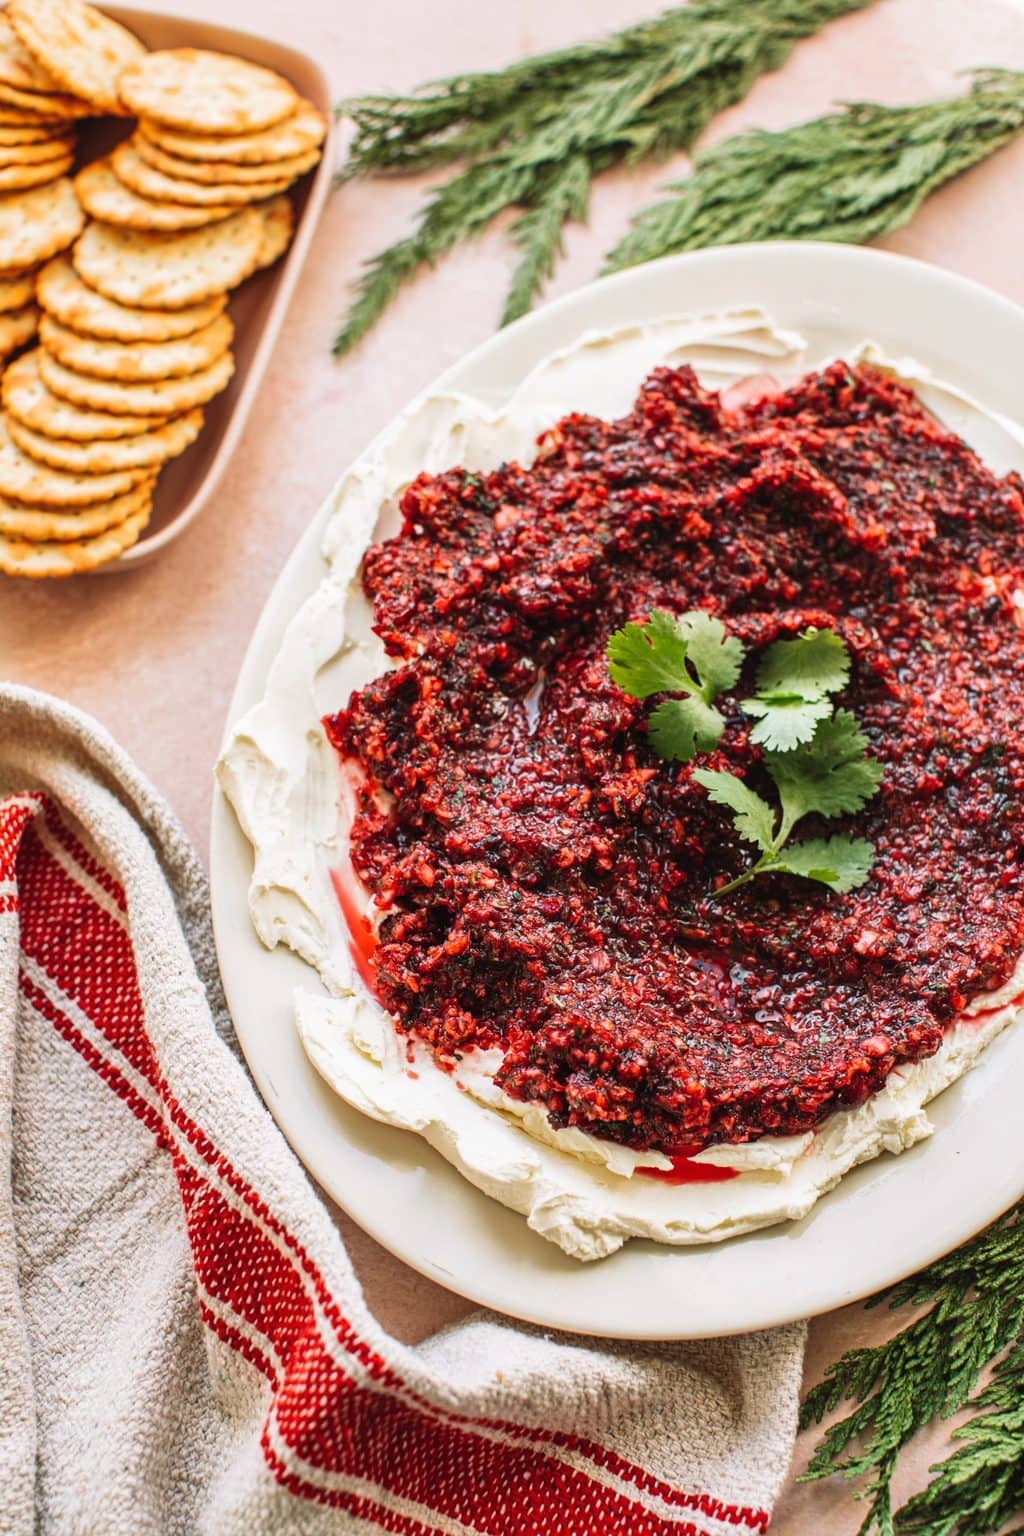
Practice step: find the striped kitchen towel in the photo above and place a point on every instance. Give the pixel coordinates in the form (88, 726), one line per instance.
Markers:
(184, 1346)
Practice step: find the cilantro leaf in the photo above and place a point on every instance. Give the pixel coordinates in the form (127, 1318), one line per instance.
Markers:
(794, 680)
(692, 655)
(840, 862)
(832, 774)
(753, 817)
(679, 728)
(786, 720)
(649, 658)
(714, 654)
(809, 667)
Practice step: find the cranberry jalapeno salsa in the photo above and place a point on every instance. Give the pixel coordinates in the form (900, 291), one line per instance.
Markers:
(546, 880)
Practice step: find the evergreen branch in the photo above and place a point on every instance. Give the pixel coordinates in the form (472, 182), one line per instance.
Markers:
(648, 90)
(973, 1315)
(538, 232)
(422, 129)
(981, 1485)
(850, 176)
(455, 211)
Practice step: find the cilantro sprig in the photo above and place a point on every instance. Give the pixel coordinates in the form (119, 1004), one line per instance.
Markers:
(692, 655)
(831, 775)
(815, 754)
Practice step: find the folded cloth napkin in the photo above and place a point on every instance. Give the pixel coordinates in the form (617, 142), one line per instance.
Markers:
(184, 1346)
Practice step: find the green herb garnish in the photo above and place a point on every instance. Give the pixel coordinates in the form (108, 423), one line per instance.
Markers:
(816, 755)
(692, 655)
(829, 776)
(794, 681)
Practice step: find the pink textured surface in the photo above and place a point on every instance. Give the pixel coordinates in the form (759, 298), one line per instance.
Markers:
(154, 653)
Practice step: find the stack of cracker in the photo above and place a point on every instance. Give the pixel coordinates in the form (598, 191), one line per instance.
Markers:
(133, 334)
(215, 135)
(37, 148)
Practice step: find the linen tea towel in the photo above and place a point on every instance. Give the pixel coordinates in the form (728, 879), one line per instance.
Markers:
(184, 1345)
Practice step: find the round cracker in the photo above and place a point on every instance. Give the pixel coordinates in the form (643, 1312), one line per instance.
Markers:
(27, 399)
(17, 327)
(130, 168)
(145, 451)
(41, 558)
(169, 271)
(107, 198)
(278, 223)
(24, 522)
(83, 50)
(44, 103)
(35, 154)
(164, 397)
(17, 291)
(63, 294)
(21, 117)
(38, 223)
(17, 66)
(303, 130)
(214, 172)
(24, 479)
(205, 92)
(14, 178)
(134, 362)
(29, 134)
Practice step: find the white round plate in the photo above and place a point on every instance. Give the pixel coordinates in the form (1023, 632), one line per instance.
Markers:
(886, 1219)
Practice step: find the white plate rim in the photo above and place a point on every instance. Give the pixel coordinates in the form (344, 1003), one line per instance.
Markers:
(886, 1219)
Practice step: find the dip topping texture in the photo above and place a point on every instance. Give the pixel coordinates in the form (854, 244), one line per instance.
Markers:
(547, 881)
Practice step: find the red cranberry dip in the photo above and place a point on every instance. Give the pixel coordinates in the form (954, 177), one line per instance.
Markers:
(548, 884)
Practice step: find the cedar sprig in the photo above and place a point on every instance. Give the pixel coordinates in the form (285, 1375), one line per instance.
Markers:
(534, 136)
(970, 1316)
(851, 176)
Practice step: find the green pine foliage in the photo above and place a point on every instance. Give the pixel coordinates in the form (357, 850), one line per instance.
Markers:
(851, 176)
(969, 1316)
(534, 136)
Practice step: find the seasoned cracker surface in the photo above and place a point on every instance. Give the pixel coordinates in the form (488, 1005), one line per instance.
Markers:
(136, 361)
(48, 558)
(146, 451)
(130, 168)
(37, 223)
(27, 399)
(169, 271)
(81, 48)
(63, 294)
(17, 66)
(206, 92)
(165, 397)
(278, 224)
(304, 130)
(24, 479)
(106, 197)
